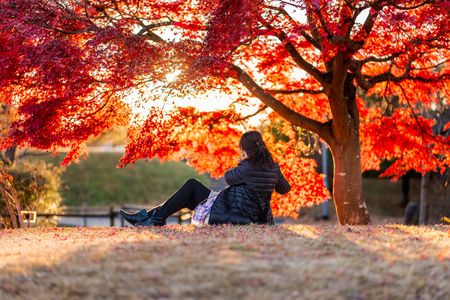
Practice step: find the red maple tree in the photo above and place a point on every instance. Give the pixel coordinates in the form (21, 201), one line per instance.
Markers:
(68, 67)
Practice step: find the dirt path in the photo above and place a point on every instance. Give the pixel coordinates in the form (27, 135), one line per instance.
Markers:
(246, 262)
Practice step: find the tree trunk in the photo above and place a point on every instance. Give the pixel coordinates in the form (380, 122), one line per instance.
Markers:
(10, 154)
(405, 188)
(424, 191)
(341, 133)
(347, 184)
(9, 196)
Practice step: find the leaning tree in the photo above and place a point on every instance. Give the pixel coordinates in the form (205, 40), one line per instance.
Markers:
(74, 68)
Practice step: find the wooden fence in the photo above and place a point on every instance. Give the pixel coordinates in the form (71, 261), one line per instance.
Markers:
(108, 213)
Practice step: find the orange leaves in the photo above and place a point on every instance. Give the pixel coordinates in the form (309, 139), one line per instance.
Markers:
(207, 140)
(307, 185)
(67, 69)
(156, 137)
(409, 143)
(446, 126)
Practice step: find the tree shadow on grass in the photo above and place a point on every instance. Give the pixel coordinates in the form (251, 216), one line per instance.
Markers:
(230, 262)
(388, 262)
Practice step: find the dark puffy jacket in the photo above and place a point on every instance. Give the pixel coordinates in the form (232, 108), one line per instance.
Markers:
(247, 199)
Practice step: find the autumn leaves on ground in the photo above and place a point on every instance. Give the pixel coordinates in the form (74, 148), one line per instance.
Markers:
(226, 262)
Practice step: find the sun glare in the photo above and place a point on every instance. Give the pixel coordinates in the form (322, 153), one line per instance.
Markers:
(171, 77)
(212, 100)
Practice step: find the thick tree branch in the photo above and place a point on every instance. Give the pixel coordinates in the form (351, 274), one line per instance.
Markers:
(299, 60)
(368, 24)
(322, 129)
(365, 30)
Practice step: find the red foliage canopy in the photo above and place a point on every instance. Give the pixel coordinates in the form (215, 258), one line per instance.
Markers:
(75, 68)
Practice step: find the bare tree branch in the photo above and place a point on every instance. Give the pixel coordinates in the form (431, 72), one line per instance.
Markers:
(263, 108)
(310, 39)
(312, 25)
(365, 31)
(416, 118)
(322, 21)
(146, 28)
(356, 13)
(411, 7)
(366, 82)
(396, 79)
(380, 59)
(296, 91)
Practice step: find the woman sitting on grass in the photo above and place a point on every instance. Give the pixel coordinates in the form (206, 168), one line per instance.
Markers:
(246, 200)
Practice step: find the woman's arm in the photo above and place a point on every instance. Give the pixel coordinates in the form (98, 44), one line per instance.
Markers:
(236, 175)
(282, 187)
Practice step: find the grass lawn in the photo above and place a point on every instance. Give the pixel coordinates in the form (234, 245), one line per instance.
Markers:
(97, 180)
(226, 262)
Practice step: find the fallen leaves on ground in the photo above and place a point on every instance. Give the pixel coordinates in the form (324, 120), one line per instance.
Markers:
(226, 262)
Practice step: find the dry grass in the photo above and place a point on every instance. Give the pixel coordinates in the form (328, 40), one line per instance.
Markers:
(246, 262)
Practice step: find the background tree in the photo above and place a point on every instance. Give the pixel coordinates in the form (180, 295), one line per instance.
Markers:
(8, 156)
(75, 68)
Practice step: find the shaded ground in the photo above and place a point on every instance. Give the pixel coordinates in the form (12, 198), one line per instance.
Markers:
(246, 262)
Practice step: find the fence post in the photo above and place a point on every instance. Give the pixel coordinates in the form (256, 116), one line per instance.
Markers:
(111, 215)
(122, 221)
(84, 218)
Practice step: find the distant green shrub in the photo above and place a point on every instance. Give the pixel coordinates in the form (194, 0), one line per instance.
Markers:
(37, 184)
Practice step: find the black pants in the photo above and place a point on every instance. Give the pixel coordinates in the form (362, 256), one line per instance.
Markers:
(189, 195)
